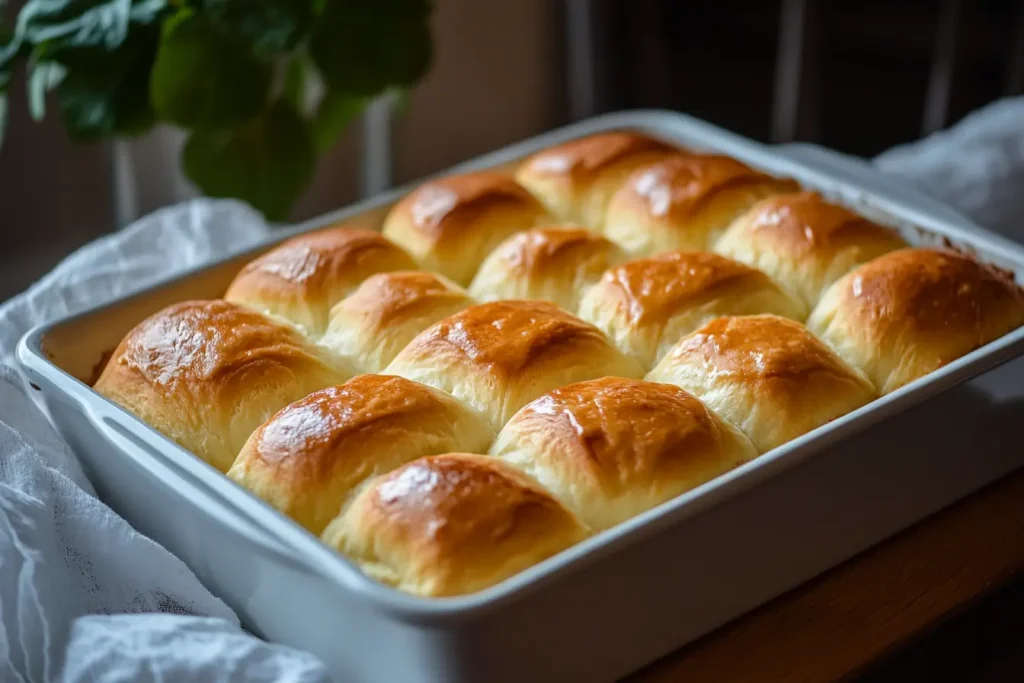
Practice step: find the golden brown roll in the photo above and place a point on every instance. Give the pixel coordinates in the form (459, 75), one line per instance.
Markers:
(647, 305)
(449, 225)
(612, 448)
(300, 279)
(575, 180)
(207, 373)
(685, 202)
(805, 242)
(452, 524)
(313, 453)
(374, 323)
(547, 264)
(767, 375)
(912, 311)
(499, 356)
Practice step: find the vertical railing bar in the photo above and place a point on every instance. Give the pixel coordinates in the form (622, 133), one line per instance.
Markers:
(377, 155)
(123, 187)
(940, 81)
(792, 113)
(582, 76)
(1015, 65)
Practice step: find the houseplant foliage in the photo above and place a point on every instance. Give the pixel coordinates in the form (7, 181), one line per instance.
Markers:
(262, 87)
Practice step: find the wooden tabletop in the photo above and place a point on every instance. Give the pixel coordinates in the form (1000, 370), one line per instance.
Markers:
(848, 618)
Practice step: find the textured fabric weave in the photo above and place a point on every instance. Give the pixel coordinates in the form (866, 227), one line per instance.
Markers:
(83, 596)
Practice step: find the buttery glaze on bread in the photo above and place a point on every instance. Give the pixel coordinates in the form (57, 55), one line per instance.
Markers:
(685, 202)
(452, 524)
(912, 311)
(386, 312)
(208, 373)
(647, 305)
(805, 242)
(313, 453)
(449, 225)
(499, 356)
(300, 279)
(548, 264)
(575, 180)
(612, 448)
(382, 465)
(767, 375)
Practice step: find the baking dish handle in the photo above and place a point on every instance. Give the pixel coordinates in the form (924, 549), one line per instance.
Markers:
(169, 472)
(865, 175)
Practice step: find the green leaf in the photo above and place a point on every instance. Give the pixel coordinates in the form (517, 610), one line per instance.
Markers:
(203, 80)
(365, 46)
(6, 36)
(107, 93)
(294, 90)
(78, 23)
(42, 78)
(3, 115)
(5, 80)
(335, 112)
(268, 162)
(269, 26)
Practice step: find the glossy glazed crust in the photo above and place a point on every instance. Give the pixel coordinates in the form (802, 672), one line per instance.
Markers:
(380, 465)
(300, 279)
(449, 225)
(805, 242)
(499, 356)
(374, 323)
(612, 448)
(576, 180)
(912, 311)
(685, 202)
(208, 373)
(646, 305)
(452, 524)
(313, 453)
(767, 375)
(553, 264)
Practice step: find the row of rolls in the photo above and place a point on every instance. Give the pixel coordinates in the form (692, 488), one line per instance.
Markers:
(522, 358)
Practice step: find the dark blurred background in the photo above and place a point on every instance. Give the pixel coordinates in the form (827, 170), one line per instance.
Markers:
(855, 75)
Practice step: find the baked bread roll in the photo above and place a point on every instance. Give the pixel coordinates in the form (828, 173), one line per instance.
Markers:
(449, 225)
(499, 356)
(313, 453)
(912, 311)
(767, 375)
(685, 202)
(207, 373)
(805, 242)
(300, 279)
(612, 448)
(575, 180)
(374, 323)
(452, 524)
(548, 264)
(647, 305)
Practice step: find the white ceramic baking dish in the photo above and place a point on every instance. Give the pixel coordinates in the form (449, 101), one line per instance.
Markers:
(622, 598)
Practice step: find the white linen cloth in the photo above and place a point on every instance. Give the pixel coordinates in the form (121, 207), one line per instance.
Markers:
(83, 597)
(977, 166)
